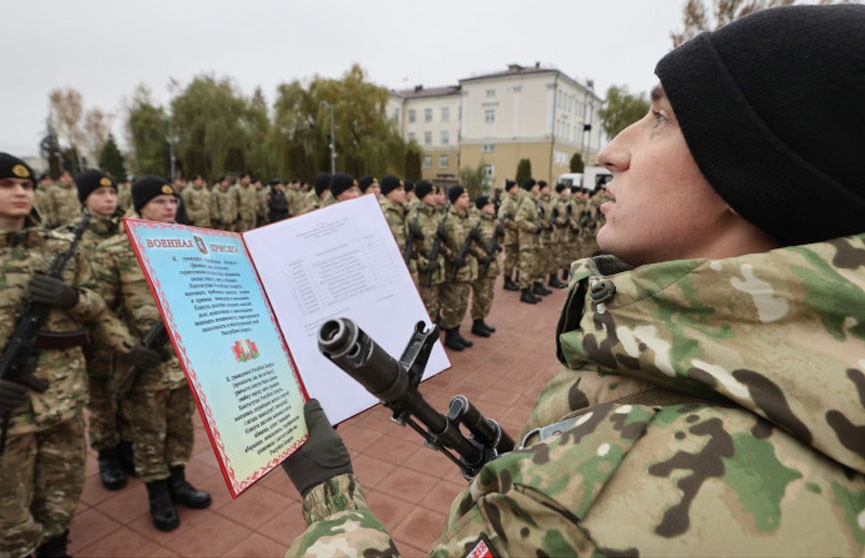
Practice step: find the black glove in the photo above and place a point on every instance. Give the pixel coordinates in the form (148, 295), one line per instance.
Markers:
(322, 457)
(475, 233)
(431, 266)
(142, 357)
(458, 261)
(12, 396)
(51, 291)
(500, 230)
(415, 230)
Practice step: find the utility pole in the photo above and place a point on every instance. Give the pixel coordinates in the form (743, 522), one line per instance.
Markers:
(331, 139)
(172, 141)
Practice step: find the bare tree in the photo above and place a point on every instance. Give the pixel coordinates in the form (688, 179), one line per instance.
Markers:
(67, 108)
(97, 126)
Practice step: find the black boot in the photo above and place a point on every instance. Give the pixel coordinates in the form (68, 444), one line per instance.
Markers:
(510, 285)
(184, 493)
(124, 455)
(466, 343)
(53, 547)
(539, 289)
(565, 275)
(527, 296)
(487, 326)
(555, 283)
(452, 342)
(110, 471)
(162, 510)
(479, 329)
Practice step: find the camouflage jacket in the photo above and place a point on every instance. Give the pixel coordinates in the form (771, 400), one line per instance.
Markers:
(198, 202)
(507, 215)
(458, 227)
(545, 203)
(23, 253)
(247, 201)
(121, 283)
(224, 206)
(124, 197)
(394, 213)
(427, 219)
(65, 207)
(528, 219)
(717, 409)
(487, 229)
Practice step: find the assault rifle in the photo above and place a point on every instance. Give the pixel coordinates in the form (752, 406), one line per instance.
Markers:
(474, 234)
(154, 339)
(436, 248)
(13, 365)
(491, 250)
(395, 383)
(414, 233)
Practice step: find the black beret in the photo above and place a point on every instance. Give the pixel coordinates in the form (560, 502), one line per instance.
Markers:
(322, 183)
(542, 183)
(90, 180)
(148, 187)
(482, 201)
(389, 183)
(423, 189)
(455, 192)
(409, 185)
(509, 184)
(529, 184)
(341, 182)
(13, 167)
(365, 182)
(560, 187)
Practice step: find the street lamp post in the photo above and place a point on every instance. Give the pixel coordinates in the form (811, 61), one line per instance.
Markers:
(331, 139)
(172, 142)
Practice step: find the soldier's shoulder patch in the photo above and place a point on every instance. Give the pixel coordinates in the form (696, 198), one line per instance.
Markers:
(480, 548)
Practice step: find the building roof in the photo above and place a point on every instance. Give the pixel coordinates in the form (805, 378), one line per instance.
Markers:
(419, 91)
(518, 70)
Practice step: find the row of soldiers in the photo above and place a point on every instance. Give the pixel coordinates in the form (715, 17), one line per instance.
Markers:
(93, 310)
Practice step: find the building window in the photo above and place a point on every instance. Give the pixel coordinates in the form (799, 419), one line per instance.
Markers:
(427, 161)
(411, 136)
(443, 161)
(489, 115)
(411, 116)
(427, 138)
(491, 92)
(488, 147)
(427, 115)
(396, 114)
(445, 137)
(446, 114)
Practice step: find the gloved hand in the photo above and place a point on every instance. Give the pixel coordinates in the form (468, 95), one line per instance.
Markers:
(475, 234)
(12, 396)
(142, 357)
(415, 230)
(458, 261)
(51, 291)
(431, 266)
(322, 457)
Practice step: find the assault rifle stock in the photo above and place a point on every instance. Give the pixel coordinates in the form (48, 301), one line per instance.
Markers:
(395, 383)
(13, 365)
(154, 339)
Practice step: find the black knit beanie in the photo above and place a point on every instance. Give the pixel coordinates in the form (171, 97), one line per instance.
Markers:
(560, 187)
(389, 183)
(365, 182)
(454, 192)
(322, 183)
(482, 201)
(772, 107)
(90, 180)
(148, 187)
(509, 184)
(423, 188)
(13, 167)
(408, 185)
(340, 183)
(529, 184)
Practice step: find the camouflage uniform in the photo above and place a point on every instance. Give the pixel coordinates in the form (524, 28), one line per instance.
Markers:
(124, 196)
(717, 410)
(158, 404)
(42, 204)
(547, 248)
(224, 211)
(65, 206)
(427, 219)
(506, 216)
(42, 469)
(395, 215)
(295, 201)
(456, 290)
(561, 258)
(247, 206)
(198, 203)
(482, 286)
(527, 219)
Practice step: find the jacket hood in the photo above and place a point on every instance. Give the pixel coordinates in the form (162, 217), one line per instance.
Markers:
(780, 333)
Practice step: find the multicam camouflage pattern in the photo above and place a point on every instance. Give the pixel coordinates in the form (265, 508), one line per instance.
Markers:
(162, 432)
(395, 215)
(247, 206)
(198, 201)
(457, 287)
(765, 458)
(224, 210)
(427, 219)
(529, 237)
(64, 207)
(482, 286)
(124, 196)
(42, 477)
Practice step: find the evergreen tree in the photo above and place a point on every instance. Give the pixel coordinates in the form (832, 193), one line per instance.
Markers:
(621, 109)
(412, 163)
(474, 180)
(524, 171)
(577, 164)
(111, 160)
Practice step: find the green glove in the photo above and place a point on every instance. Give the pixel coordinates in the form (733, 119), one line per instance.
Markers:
(51, 291)
(322, 457)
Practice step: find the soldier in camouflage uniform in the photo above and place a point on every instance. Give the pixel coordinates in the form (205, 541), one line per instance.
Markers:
(392, 202)
(42, 465)
(506, 216)
(320, 192)
(550, 241)
(198, 202)
(562, 257)
(124, 194)
(158, 403)
(64, 206)
(461, 267)
(711, 402)
(528, 221)
(428, 250)
(42, 202)
(247, 202)
(343, 187)
(109, 433)
(488, 246)
(224, 213)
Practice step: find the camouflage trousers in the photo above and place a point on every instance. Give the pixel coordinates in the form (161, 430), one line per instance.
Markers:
(431, 299)
(482, 296)
(528, 265)
(243, 225)
(512, 257)
(41, 479)
(162, 431)
(455, 300)
(107, 425)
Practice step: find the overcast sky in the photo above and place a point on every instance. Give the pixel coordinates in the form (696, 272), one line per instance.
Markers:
(104, 48)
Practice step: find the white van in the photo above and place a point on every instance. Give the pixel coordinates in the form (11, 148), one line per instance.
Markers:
(590, 178)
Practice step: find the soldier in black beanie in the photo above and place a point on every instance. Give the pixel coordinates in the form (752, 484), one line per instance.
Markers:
(319, 193)
(343, 187)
